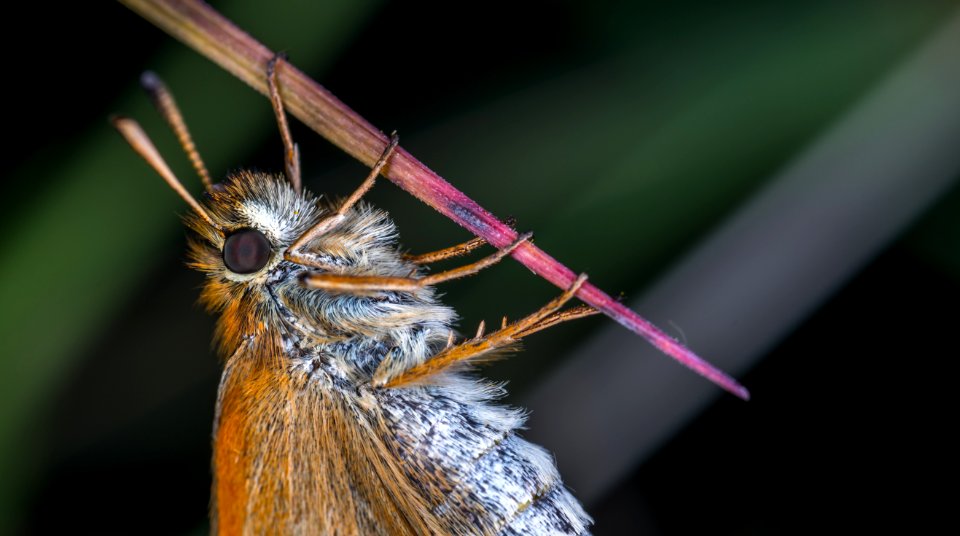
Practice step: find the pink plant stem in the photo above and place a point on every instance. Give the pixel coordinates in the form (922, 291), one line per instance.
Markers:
(202, 28)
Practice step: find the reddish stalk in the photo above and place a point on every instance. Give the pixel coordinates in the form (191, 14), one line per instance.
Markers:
(209, 33)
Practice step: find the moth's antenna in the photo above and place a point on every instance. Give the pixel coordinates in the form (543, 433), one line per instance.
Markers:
(141, 143)
(291, 154)
(163, 100)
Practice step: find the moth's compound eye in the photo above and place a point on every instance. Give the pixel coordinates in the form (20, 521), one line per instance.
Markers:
(246, 251)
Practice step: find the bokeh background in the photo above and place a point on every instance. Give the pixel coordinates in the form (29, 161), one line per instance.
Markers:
(772, 182)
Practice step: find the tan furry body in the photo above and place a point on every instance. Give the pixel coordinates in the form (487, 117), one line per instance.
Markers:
(343, 407)
(304, 442)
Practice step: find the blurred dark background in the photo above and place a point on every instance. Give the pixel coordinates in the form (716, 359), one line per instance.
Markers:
(655, 145)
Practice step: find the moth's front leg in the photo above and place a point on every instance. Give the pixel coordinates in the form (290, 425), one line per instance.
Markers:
(359, 284)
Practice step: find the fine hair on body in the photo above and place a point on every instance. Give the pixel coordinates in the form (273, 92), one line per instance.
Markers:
(346, 404)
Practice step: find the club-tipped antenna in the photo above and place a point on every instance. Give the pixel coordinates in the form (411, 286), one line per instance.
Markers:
(163, 100)
(141, 143)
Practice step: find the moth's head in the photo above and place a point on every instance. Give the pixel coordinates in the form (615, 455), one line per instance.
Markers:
(257, 235)
(244, 228)
(241, 241)
(247, 224)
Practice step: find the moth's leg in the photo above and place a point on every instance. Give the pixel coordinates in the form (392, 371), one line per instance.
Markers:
(163, 101)
(291, 154)
(293, 253)
(458, 250)
(358, 284)
(580, 311)
(546, 316)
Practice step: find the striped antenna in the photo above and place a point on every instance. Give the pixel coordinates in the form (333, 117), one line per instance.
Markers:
(141, 143)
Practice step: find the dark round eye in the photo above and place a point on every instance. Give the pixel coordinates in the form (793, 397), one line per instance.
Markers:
(246, 251)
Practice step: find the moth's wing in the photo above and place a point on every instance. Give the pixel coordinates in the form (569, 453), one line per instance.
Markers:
(291, 458)
(395, 503)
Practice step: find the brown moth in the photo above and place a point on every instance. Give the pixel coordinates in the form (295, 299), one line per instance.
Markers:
(344, 406)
